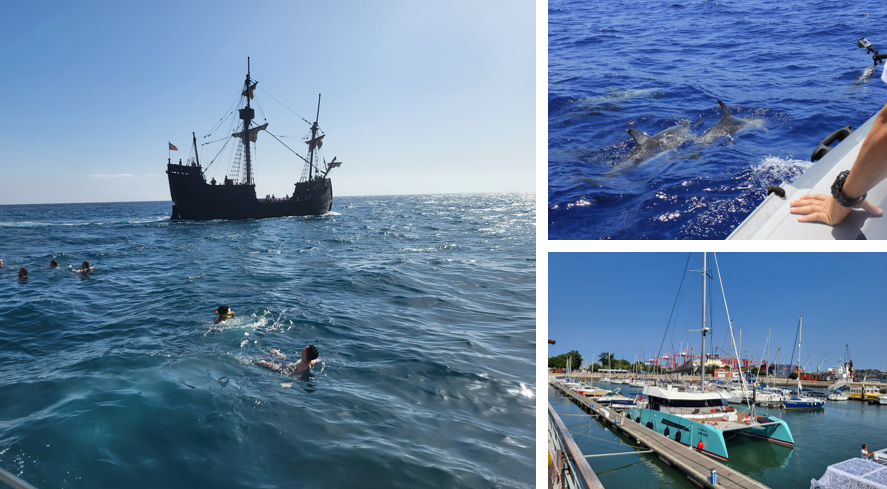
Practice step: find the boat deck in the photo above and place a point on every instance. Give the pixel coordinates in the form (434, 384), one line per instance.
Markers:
(696, 465)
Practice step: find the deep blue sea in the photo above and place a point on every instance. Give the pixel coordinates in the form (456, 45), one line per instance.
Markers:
(791, 67)
(422, 309)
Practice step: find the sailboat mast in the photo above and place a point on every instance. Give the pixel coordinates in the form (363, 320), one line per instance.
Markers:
(704, 297)
(247, 114)
(800, 331)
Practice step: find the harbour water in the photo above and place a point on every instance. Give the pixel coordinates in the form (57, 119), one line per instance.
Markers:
(791, 67)
(822, 437)
(422, 309)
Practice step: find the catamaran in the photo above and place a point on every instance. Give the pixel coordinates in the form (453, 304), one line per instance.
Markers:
(703, 420)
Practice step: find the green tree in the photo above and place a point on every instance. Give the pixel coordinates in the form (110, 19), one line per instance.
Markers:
(710, 370)
(560, 361)
(793, 375)
(607, 358)
(595, 367)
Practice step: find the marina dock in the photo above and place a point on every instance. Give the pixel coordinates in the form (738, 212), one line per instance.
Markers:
(696, 465)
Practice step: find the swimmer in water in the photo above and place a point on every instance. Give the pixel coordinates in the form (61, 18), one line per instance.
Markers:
(23, 273)
(309, 359)
(224, 313)
(53, 264)
(84, 268)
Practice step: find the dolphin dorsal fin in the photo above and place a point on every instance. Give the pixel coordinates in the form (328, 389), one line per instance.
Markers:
(639, 136)
(727, 112)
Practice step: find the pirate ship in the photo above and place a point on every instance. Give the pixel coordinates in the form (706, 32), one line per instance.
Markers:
(235, 196)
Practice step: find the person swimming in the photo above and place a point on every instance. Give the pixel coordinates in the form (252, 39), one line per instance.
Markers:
(306, 363)
(84, 267)
(53, 264)
(224, 313)
(23, 272)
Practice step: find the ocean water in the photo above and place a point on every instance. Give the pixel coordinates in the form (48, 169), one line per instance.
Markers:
(422, 309)
(792, 68)
(822, 437)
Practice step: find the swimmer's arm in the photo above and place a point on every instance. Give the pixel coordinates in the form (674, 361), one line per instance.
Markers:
(270, 365)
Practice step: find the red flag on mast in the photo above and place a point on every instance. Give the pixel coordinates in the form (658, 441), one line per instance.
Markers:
(172, 147)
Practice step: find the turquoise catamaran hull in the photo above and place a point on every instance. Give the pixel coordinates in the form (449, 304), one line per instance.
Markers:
(707, 437)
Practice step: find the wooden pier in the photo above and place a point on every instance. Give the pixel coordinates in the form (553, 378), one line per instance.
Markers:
(696, 465)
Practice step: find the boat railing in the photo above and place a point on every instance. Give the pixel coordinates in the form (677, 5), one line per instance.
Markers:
(13, 481)
(567, 466)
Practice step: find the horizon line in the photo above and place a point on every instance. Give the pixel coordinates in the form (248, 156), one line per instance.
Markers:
(341, 196)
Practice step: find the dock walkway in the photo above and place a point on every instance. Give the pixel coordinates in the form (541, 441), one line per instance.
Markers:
(696, 465)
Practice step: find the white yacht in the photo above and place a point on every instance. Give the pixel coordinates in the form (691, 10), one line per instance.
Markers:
(838, 396)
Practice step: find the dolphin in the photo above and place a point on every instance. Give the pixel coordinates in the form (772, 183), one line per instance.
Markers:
(728, 125)
(647, 146)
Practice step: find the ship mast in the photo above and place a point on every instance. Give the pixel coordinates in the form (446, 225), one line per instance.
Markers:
(247, 114)
(312, 145)
(196, 157)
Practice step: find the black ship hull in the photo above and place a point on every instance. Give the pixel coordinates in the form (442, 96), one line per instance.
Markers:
(197, 200)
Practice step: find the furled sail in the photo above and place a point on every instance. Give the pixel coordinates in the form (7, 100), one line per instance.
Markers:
(690, 366)
(315, 142)
(249, 91)
(253, 133)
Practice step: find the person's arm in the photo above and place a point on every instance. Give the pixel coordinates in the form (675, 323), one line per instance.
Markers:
(867, 171)
(270, 365)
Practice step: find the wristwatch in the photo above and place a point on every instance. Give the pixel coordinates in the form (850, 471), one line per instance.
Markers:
(838, 191)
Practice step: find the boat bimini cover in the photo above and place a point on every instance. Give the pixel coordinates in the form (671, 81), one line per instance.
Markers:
(855, 473)
(773, 219)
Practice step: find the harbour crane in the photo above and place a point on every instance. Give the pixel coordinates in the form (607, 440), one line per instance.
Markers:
(805, 364)
(820, 363)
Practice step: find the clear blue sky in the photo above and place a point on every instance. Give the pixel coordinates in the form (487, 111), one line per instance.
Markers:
(418, 97)
(601, 301)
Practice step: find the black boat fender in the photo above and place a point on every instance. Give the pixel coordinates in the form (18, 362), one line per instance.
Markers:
(777, 190)
(823, 147)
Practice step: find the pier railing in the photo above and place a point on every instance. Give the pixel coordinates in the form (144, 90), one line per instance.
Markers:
(567, 467)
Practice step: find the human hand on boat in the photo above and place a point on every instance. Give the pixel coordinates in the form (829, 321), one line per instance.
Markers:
(825, 209)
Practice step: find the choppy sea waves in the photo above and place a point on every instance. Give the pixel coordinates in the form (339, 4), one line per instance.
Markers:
(422, 309)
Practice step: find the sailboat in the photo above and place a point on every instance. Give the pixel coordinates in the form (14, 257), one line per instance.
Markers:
(799, 400)
(235, 197)
(703, 420)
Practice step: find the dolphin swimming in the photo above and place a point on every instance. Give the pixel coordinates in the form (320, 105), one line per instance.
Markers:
(728, 125)
(646, 146)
